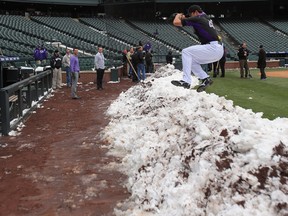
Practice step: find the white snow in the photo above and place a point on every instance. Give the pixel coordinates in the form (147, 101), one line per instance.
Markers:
(189, 153)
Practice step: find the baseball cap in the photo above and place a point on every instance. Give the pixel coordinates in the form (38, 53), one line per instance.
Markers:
(194, 8)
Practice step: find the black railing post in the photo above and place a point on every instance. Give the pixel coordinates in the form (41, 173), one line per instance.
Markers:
(5, 115)
(36, 89)
(42, 87)
(29, 97)
(20, 102)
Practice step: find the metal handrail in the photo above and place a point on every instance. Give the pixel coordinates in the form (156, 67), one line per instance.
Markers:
(24, 91)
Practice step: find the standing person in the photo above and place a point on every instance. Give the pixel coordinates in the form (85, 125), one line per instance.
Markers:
(75, 73)
(169, 58)
(124, 62)
(56, 64)
(215, 66)
(261, 63)
(66, 64)
(100, 67)
(43, 55)
(37, 55)
(129, 60)
(141, 72)
(243, 53)
(149, 62)
(147, 47)
(220, 64)
(209, 51)
(134, 65)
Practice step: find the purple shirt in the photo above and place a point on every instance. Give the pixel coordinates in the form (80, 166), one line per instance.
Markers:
(37, 55)
(74, 64)
(203, 27)
(43, 54)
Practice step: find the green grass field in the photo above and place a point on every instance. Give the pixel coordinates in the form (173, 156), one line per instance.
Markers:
(269, 96)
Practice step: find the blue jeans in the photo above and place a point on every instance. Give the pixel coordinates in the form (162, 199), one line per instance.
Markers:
(141, 67)
(130, 71)
(74, 76)
(68, 76)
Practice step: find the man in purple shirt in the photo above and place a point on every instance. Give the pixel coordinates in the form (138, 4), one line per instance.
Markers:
(210, 49)
(75, 70)
(43, 54)
(37, 55)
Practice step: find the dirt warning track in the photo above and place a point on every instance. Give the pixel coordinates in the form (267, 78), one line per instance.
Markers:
(58, 164)
(280, 74)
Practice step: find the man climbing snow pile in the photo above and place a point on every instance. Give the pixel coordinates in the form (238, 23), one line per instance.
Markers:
(210, 50)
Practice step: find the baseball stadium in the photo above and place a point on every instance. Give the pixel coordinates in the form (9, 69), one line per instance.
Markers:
(140, 143)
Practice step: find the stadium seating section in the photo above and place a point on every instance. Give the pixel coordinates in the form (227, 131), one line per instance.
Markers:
(255, 33)
(20, 35)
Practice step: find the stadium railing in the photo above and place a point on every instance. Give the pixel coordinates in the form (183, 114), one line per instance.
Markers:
(18, 98)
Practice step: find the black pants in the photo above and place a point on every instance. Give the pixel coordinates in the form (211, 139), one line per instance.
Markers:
(222, 67)
(216, 65)
(149, 67)
(100, 74)
(134, 73)
(263, 74)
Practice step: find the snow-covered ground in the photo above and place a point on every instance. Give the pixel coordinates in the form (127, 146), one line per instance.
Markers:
(189, 153)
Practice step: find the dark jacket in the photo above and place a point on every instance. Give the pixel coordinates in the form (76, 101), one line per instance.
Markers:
(141, 57)
(261, 63)
(148, 57)
(124, 58)
(169, 58)
(243, 53)
(135, 59)
(56, 62)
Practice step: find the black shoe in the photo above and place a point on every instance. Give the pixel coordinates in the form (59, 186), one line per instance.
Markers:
(205, 83)
(181, 83)
(76, 97)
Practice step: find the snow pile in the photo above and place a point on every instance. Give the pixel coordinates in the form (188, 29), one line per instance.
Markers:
(189, 153)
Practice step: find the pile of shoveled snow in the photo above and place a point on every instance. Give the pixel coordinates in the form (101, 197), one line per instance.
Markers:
(189, 153)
